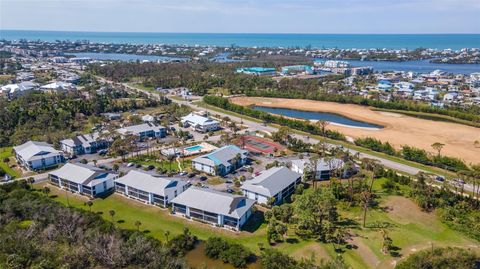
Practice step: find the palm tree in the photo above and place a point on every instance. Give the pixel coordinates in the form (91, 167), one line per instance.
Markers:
(46, 190)
(138, 223)
(112, 214)
(167, 234)
(323, 126)
(89, 204)
(30, 181)
(95, 162)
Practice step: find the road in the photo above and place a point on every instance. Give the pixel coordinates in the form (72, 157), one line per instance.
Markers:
(256, 126)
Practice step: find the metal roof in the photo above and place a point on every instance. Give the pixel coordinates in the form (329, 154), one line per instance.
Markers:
(221, 156)
(323, 164)
(215, 202)
(83, 174)
(271, 181)
(149, 183)
(33, 150)
(140, 128)
(198, 120)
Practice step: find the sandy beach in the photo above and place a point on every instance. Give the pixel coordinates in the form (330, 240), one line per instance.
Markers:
(399, 129)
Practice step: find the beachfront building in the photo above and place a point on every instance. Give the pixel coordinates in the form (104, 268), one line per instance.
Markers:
(258, 71)
(200, 123)
(35, 155)
(144, 130)
(83, 179)
(150, 189)
(324, 168)
(214, 207)
(276, 183)
(221, 161)
(84, 144)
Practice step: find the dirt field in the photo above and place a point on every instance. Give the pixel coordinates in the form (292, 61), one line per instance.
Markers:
(399, 129)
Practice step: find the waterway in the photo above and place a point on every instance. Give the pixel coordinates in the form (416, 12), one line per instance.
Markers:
(127, 57)
(420, 66)
(333, 118)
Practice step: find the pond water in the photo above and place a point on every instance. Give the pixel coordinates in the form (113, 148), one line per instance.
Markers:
(333, 118)
(127, 57)
(197, 259)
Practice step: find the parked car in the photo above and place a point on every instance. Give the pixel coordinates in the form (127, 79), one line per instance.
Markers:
(130, 164)
(184, 173)
(203, 178)
(191, 175)
(440, 179)
(230, 191)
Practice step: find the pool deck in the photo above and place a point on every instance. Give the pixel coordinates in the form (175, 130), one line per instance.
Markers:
(203, 148)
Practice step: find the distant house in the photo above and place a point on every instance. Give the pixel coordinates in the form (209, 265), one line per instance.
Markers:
(324, 168)
(84, 144)
(221, 161)
(200, 123)
(148, 118)
(112, 116)
(276, 182)
(150, 189)
(14, 90)
(216, 208)
(35, 155)
(144, 130)
(83, 179)
(58, 86)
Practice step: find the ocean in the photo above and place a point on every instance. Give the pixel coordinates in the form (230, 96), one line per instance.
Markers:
(344, 41)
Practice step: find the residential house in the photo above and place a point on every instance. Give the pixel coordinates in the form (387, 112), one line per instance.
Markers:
(144, 130)
(83, 179)
(277, 183)
(150, 189)
(11, 91)
(221, 161)
(324, 168)
(214, 207)
(58, 86)
(200, 123)
(35, 155)
(84, 144)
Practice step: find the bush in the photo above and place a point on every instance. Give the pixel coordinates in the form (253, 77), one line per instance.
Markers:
(440, 258)
(235, 254)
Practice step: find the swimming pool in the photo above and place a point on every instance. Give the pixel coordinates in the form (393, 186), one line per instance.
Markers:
(194, 148)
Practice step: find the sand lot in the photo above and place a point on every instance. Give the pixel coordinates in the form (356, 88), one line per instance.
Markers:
(399, 129)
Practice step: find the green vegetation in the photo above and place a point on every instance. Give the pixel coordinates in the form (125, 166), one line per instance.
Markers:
(6, 154)
(235, 254)
(161, 164)
(37, 232)
(32, 116)
(441, 258)
(414, 154)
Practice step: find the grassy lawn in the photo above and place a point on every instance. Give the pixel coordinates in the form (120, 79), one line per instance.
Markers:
(164, 164)
(409, 227)
(219, 90)
(4, 153)
(141, 87)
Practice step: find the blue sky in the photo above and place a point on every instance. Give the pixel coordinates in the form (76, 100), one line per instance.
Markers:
(244, 16)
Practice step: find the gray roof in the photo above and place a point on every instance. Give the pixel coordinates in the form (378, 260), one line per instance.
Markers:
(33, 150)
(234, 206)
(136, 129)
(271, 181)
(323, 164)
(221, 156)
(84, 139)
(198, 120)
(150, 183)
(84, 174)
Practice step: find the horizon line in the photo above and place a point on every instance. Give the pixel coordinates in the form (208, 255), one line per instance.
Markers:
(241, 33)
